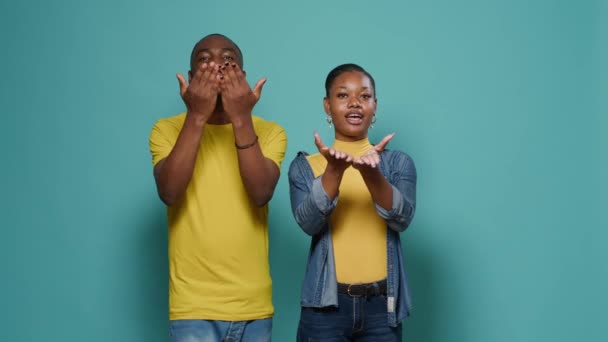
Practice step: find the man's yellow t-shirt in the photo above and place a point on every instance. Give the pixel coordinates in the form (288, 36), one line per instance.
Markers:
(218, 239)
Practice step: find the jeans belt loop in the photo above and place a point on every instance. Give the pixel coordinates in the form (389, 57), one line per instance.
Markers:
(376, 288)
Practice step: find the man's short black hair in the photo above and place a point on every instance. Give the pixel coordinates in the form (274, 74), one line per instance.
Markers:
(195, 49)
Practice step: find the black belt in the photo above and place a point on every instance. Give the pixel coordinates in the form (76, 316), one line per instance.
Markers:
(363, 290)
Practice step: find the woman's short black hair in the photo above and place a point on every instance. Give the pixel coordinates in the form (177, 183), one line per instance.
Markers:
(340, 69)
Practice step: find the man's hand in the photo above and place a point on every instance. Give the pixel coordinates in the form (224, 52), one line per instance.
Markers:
(200, 96)
(237, 97)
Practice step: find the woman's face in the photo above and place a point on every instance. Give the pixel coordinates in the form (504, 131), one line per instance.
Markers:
(351, 104)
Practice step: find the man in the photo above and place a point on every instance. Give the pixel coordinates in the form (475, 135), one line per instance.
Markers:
(216, 167)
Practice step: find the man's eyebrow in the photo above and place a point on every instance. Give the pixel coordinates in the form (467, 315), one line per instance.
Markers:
(344, 87)
(223, 50)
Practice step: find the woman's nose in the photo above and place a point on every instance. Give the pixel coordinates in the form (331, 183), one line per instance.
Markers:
(353, 102)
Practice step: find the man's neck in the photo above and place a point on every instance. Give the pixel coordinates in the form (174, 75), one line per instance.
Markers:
(218, 118)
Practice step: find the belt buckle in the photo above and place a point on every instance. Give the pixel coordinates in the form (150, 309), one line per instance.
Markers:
(350, 294)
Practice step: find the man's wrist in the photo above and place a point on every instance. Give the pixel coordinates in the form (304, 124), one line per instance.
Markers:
(196, 118)
(241, 121)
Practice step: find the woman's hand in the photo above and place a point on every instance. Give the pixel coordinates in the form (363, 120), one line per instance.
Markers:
(336, 160)
(371, 158)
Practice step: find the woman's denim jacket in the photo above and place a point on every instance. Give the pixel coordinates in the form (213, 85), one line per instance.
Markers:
(312, 208)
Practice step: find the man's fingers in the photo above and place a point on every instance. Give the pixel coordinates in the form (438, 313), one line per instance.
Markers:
(208, 71)
(230, 75)
(198, 73)
(257, 89)
(223, 83)
(183, 86)
(380, 146)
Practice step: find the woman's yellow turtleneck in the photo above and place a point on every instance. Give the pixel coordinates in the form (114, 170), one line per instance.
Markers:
(358, 233)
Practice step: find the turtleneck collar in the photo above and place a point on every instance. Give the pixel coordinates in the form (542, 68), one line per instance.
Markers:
(354, 148)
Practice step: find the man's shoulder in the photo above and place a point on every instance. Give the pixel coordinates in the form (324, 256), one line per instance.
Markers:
(169, 125)
(172, 122)
(261, 123)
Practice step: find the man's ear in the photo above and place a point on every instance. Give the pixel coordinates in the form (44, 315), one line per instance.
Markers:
(189, 76)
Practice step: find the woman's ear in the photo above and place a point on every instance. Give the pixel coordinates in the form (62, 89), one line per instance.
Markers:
(326, 106)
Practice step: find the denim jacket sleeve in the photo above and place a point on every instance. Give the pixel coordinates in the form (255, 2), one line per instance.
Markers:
(310, 204)
(400, 171)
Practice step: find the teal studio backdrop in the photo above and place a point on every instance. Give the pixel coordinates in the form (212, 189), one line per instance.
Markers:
(502, 104)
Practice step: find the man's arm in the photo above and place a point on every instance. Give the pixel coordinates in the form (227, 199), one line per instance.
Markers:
(259, 174)
(173, 173)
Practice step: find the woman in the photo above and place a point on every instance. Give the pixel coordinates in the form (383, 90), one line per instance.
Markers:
(353, 199)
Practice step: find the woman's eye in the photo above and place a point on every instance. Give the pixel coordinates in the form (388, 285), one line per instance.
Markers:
(366, 96)
(204, 59)
(228, 58)
(341, 95)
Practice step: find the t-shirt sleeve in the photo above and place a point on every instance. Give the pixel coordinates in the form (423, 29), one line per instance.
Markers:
(273, 143)
(160, 142)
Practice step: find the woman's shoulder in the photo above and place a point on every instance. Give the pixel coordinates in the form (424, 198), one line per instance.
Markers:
(303, 155)
(397, 160)
(396, 154)
(304, 164)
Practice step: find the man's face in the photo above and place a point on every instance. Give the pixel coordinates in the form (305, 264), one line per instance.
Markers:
(215, 49)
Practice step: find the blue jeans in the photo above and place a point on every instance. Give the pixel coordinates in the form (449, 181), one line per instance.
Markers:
(355, 319)
(196, 330)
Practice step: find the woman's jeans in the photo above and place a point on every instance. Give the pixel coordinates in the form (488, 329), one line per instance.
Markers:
(355, 319)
